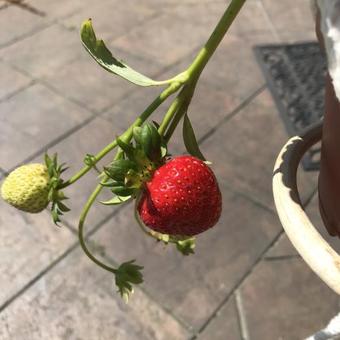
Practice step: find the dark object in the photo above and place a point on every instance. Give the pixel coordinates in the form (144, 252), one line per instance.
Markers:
(295, 75)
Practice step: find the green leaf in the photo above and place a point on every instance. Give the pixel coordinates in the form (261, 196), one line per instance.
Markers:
(190, 139)
(116, 200)
(126, 275)
(102, 55)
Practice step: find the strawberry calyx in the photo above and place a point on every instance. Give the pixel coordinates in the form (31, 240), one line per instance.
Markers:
(139, 160)
(55, 195)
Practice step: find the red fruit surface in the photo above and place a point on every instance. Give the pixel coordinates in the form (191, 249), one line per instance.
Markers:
(182, 198)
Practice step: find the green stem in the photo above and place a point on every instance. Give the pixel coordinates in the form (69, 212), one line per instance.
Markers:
(171, 119)
(182, 102)
(83, 215)
(176, 104)
(216, 37)
(172, 88)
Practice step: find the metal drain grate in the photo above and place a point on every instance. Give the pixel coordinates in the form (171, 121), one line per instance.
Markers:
(295, 75)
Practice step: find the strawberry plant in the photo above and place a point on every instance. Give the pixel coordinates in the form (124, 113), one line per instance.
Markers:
(176, 198)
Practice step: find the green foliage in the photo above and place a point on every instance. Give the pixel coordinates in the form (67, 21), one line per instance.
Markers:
(183, 244)
(102, 55)
(90, 160)
(58, 208)
(128, 174)
(126, 275)
(151, 141)
(116, 200)
(190, 139)
(186, 246)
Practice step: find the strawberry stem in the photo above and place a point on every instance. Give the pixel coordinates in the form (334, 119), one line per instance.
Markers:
(81, 237)
(187, 80)
(172, 88)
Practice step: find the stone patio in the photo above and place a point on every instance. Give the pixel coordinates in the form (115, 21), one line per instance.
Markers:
(246, 282)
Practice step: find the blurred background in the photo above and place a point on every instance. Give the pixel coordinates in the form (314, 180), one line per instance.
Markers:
(245, 282)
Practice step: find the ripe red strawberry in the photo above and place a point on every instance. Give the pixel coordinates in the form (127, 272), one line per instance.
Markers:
(182, 198)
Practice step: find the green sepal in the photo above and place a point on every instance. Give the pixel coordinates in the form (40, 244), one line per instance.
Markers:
(133, 179)
(56, 196)
(122, 191)
(126, 275)
(189, 138)
(102, 55)
(157, 125)
(137, 134)
(90, 160)
(116, 200)
(118, 169)
(186, 246)
(108, 183)
(146, 140)
(164, 150)
(62, 207)
(128, 149)
(151, 141)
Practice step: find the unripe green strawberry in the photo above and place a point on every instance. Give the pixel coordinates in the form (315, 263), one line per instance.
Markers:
(26, 188)
(182, 198)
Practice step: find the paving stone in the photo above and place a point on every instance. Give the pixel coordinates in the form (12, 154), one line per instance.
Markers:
(291, 22)
(109, 22)
(61, 8)
(85, 81)
(29, 243)
(176, 35)
(233, 68)
(282, 249)
(222, 86)
(88, 140)
(209, 106)
(33, 118)
(10, 17)
(44, 52)
(286, 300)
(77, 300)
(196, 283)
(224, 326)
(11, 81)
(125, 112)
(244, 149)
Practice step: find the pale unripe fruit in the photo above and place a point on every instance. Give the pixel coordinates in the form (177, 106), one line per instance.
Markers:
(26, 188)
